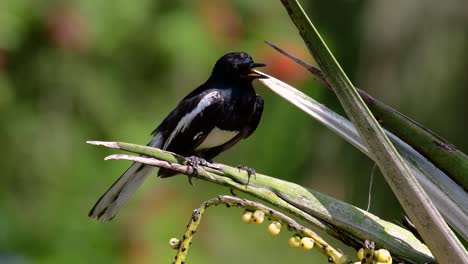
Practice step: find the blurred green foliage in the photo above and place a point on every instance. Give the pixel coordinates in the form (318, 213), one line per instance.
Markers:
(72, 71)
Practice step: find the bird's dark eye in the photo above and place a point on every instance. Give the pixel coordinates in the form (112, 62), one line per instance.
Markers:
(244, 66)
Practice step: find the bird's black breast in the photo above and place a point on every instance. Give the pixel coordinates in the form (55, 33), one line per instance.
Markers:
(238, 107)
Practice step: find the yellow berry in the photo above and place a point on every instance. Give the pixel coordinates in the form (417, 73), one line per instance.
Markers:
(360, 254)
(307, 243)
(247, 217)
(383, 255)
(174, 243)
(274, 228)
(295, 241)
(258, 217)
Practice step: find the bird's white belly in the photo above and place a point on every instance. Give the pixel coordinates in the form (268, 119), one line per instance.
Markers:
(217, 137)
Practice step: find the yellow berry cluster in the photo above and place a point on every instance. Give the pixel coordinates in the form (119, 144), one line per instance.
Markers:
(381, 256)
(306, 243)
(256, 217)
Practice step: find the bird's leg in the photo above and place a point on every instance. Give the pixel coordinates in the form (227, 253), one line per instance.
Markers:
(249, 171)
(194, 162)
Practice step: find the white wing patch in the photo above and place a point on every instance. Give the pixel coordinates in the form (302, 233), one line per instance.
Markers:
(217, 137)
(188, 118)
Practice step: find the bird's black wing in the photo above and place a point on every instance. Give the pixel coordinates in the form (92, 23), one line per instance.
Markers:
(256, 116)
(251, 126)
(189, 123)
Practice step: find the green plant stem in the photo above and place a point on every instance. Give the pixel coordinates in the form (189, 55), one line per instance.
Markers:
(343, 221)
(441, 152)
(450, 199)
(432, 227)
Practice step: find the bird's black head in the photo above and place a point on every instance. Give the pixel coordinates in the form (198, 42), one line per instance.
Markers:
(237, 66)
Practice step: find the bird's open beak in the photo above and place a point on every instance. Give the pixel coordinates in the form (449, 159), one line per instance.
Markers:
(251, 73)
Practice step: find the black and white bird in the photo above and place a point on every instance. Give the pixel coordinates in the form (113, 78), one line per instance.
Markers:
(209, 120)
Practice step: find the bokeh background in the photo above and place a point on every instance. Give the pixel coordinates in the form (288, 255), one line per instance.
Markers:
(72, 71)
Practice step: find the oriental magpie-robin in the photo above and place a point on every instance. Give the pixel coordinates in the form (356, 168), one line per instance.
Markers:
(208, 121)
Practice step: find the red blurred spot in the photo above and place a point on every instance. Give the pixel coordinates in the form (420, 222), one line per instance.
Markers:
(222, 21)
(284, 68)
(66, 28)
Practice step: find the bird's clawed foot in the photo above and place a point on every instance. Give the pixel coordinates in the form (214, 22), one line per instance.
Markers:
(250, 172)
(194, 162)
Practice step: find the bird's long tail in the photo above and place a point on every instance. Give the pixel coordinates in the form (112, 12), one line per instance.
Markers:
(120, 192)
